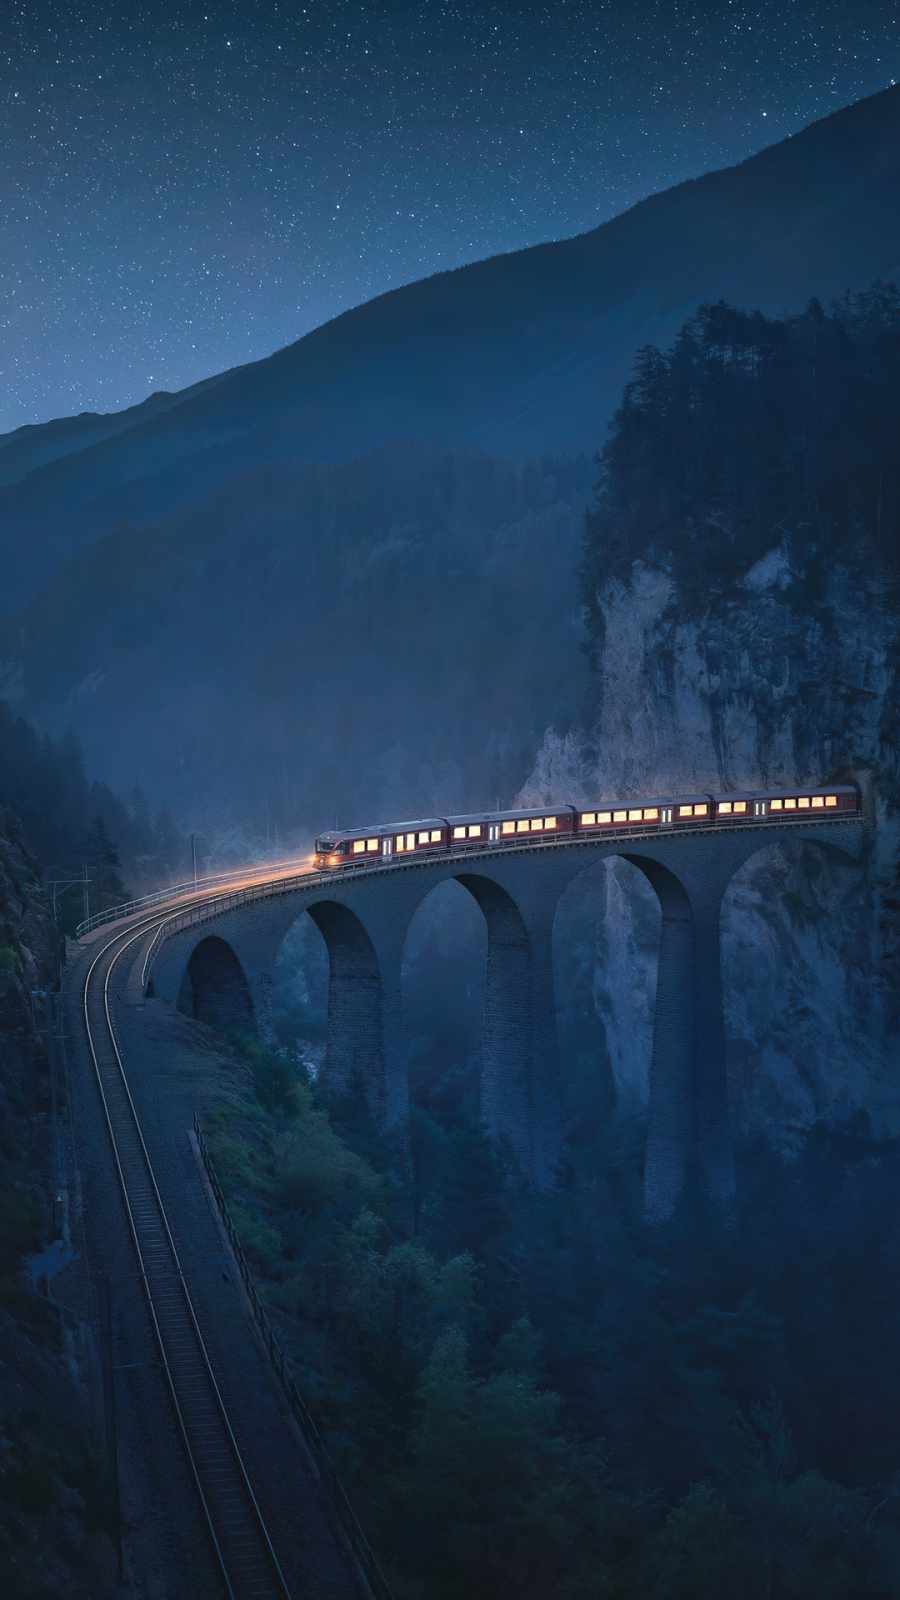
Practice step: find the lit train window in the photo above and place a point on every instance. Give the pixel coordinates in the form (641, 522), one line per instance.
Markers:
(651, 814)
(509, 827)
(359, 846)
(371, 844)
(635, 816)
(549, 822)
(399, 842)
(700, 811)
(475, 831)
(523, 826)
(685, 811)
(790, 805)
(817, 801)
(604, 816)
(435, 835)
(423, 837)
(620, 816)
(831, 800)
(459, 833)
(740, 805)
(774, 805)
(410, 841)
(537, 824)
(803, 803)
(588, 818)
(725, 808)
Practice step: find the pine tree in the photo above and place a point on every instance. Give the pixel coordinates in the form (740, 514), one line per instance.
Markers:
(104, 867)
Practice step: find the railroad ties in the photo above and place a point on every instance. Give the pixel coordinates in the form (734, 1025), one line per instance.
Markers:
(239, 1536)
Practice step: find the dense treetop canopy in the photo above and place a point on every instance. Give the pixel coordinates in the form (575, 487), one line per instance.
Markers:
(74, 824)
(748, 433)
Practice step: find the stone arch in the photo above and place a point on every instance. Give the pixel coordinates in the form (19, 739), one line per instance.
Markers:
(442, 968)
(688, 1043)
(605, 935)
(354, 1048)
(507, 1030)
(214, 988)
(507, 1039)
(821, 842)
(687, 1111)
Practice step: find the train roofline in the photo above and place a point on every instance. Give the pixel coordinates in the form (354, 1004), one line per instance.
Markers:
(520, 813)
(786, 793)
(375, 830)
(549, 810)
(640, 801)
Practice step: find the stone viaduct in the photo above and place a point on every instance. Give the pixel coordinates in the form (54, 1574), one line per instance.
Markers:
(216, 963)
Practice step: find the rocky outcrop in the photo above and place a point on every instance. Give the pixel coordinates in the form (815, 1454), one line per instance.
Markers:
(27, 944)
(790, 677)
(54, 1526)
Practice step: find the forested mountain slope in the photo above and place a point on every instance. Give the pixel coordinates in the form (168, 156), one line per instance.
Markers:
(368, 638)
(741, 572)
(516, 355)
(56, 1528)
(77, 827)
(27, 449)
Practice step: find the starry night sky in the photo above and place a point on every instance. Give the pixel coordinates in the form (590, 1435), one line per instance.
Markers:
(189, 186)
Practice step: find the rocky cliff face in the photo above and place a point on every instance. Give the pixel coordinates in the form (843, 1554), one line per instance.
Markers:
(790, 677)
(27, 952)
(54, 1535)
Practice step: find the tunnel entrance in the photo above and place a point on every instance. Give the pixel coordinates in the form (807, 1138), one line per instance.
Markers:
(215, 989)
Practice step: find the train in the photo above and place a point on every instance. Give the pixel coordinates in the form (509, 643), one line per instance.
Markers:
(490, 830)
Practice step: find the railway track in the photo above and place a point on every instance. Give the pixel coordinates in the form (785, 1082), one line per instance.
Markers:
(240, 1539)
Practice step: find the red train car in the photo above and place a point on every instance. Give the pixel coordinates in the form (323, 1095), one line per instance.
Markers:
(364, 847)
(786, 804)
(475, 829)
(614, 815)
(489, 830)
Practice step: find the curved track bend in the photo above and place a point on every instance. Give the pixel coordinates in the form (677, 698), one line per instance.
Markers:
(240, 1539)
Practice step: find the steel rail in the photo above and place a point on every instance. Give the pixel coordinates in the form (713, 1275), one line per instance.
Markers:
(242, 1544)
(220, 879)
(240, 1539)
(128, 907)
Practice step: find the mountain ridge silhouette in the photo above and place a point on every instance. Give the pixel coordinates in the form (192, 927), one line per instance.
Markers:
(518, 355)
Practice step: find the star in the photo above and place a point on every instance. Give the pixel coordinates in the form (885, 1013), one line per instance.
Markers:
(169, 175)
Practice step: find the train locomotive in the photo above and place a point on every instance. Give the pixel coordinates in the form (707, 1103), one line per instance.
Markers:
(493, 830)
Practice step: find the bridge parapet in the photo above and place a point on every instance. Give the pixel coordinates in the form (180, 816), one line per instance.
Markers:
(364, 916)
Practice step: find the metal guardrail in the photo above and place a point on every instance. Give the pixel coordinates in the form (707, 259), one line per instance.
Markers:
(336, 1494)
(200, 911)
(114, 913)
(268, 888)
(129, 907)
